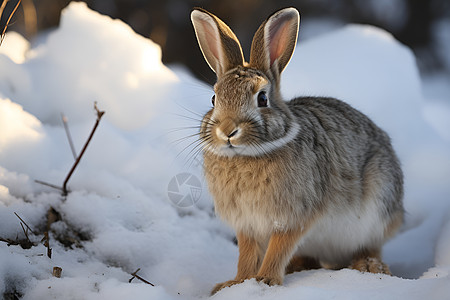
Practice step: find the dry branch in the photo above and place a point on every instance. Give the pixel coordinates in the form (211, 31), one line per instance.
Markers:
(69, 136)
(64, 189)
(135, 275)
(24, 243)
(29, 228)
(9, 242)
(49, 185)
(25, 231)
(2, 8)
(99, 116)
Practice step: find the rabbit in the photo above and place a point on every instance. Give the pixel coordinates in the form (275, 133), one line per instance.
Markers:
(307, 183)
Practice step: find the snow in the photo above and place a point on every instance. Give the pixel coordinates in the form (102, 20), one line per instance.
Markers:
(119, 214)
(16, 48)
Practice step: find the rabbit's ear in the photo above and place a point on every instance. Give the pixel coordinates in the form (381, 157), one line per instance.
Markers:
(218, 43)
(274, 42)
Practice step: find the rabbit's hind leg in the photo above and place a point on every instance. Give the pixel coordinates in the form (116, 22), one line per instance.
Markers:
(300, 263)
(369, 261)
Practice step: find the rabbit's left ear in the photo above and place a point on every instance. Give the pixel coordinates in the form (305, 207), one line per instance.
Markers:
(274, 42)
(219, 45)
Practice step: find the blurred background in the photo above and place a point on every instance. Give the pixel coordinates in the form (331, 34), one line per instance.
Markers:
(423, 25)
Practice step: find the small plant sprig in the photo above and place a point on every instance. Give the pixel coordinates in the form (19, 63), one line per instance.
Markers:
(64, 189)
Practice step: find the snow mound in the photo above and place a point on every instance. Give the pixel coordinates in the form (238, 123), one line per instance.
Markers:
(93, 58)
(119, 215)
(15, 46)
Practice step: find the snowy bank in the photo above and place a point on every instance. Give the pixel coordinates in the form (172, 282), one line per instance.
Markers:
(119, 215)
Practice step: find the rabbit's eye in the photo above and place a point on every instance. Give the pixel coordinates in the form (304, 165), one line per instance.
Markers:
(213, 100)
(262, 99)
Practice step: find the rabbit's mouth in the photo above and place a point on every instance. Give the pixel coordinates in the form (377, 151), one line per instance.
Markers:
(229, 150)
(229, 147)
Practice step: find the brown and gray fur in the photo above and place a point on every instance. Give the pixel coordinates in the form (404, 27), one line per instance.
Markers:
(307, 183)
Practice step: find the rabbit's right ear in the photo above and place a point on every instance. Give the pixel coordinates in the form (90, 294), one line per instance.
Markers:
(274, 42)
(219, 45)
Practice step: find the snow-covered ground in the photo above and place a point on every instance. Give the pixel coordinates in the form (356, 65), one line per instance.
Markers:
(120, 214)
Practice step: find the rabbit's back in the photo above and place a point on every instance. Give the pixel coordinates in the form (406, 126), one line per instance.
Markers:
(335, 126)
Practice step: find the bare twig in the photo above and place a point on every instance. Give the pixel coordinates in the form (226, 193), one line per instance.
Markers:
(64, 189)
(24, 223)
(27, 243)
(25, 231)
(99, 116)
(9, 242)
(49, 185)
(24, 243)
(2, 7)
(69, 136)
(2, 36)
(135, 275)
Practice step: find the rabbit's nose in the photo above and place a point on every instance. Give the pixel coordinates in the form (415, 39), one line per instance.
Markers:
(227, 129)
(233, 133)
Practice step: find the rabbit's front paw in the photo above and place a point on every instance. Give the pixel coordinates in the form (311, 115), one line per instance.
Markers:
(225, 284)
(269, 280)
